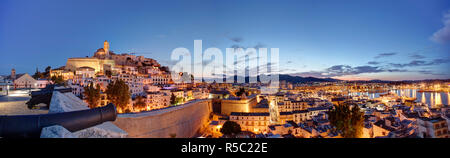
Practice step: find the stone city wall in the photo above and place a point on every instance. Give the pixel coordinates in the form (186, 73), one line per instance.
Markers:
(183, 121)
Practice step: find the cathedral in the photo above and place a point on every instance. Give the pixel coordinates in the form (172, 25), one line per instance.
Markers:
(106, 60)
(103, 53)
(100, 62)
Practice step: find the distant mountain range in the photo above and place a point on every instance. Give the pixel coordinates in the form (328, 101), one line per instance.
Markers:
(289, 78)
(299, 79)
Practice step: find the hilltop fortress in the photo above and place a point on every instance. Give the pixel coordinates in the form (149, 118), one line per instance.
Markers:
(105, 60)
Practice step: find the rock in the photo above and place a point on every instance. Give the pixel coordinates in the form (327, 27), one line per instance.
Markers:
(65, 102)
(56, 131)
(104, 130)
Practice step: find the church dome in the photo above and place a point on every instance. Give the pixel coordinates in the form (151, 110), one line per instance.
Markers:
(100, 50)
(100, 54)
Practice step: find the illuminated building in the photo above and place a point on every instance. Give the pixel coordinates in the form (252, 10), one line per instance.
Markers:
(214, 129)
(25, 81)
(253, 122)
(66, 75)
(85, 72)
(100, 62)
(432, 127)
(238, 104)
(157, 100)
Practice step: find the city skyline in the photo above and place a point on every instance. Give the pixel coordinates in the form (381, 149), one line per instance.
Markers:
(402, 40)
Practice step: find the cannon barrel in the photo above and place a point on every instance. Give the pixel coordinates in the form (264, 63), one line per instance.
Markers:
(30, 126)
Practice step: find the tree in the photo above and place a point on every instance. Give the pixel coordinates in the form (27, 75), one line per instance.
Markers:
(92, 95)
(173, 99)
(118, 93)
(47, 72)
(57, 79)
(108, 73)
(48, 68)
(164, 69)
(140, 102)
(347, 119)
(230, 128)
(37, 74)
(240, 92)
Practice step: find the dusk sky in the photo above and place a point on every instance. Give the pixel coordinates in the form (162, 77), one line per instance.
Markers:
(350, 39)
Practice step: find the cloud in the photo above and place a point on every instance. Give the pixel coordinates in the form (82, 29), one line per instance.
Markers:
(417, 56)
(443, 35)
(373, 63)
(244, 59)
(287, 70)
(382, 55)
(428, 72)
(236, 39)
(342, 70)
(348, 70)
(416, 63)
(236, 46)
(259, 45)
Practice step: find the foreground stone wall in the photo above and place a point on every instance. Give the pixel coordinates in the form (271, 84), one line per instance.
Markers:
(184, 121)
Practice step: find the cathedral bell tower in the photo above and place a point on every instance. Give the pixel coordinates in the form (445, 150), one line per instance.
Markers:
(106, 47)
(13, 74)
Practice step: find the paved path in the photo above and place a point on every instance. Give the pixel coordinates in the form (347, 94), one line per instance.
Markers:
(18, 108)
(10, 99)
(15, 105)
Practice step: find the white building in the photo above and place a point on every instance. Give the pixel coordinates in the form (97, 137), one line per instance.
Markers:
(160, 78)
(25, 81)
(85, 72)
(253, 122)
(157, 100)
(432, 128)
(42, 83)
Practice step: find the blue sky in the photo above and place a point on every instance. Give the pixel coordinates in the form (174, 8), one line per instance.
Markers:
(350, 39)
